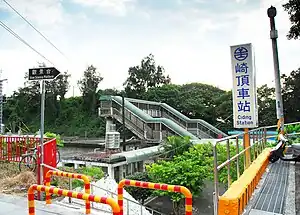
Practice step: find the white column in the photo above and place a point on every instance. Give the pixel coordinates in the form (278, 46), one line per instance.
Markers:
(111, 171)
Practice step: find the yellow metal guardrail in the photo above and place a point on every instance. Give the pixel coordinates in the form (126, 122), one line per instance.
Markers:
(255, 160)
(235, 199)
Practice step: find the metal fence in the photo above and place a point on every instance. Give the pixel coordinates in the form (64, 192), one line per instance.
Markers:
(13, 147)
(113, 195)
(235, 161)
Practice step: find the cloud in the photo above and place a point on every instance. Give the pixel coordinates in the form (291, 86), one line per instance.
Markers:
(116, 7)
(191, 39)
(46, 12)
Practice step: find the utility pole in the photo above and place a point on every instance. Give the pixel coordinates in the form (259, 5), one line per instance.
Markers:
(274, 35)
(1, 104)
(123, 121)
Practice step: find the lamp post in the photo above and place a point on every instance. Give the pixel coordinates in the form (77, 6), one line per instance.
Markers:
(272, 12)
(122, 94)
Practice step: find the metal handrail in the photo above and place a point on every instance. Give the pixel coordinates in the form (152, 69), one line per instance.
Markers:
(259, 139)
(186, 119)
(129, 200)
(146, 120)
(152, 211)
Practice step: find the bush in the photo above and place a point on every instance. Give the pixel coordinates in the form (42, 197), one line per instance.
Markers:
(59, 141)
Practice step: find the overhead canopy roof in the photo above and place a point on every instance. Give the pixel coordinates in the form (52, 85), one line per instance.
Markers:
(138, 155)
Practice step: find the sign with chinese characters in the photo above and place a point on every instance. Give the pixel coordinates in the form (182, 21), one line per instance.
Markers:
(244, 87)
(45, 73)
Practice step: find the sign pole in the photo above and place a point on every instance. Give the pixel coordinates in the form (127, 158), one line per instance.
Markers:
(246, 145)
(42, 130)
(279, 103)
(42, 74)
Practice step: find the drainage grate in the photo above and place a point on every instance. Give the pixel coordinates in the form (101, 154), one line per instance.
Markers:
(272, 195)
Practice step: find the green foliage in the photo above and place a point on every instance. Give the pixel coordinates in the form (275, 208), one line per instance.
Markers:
(271, 144)
(89, 86)
(293, 9)
(267, 105)
(59, 141)
(175, 145)
(196, 100)
(145, 76)
(94, 173)
(193, 167)
(291, 96)
(189, 169)
(137, 193)
(75, 116)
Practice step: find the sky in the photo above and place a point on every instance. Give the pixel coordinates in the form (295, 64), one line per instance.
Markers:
(191, 39)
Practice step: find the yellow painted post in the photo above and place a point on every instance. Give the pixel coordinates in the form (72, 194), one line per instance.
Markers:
(246, 145)
(279, 125)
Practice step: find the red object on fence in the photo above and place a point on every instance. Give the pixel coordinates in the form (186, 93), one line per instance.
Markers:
(13, 147)
(49, 158)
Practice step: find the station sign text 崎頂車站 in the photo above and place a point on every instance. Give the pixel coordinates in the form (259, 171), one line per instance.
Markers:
(244, 87)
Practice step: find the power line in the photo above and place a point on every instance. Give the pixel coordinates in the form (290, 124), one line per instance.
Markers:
(40, 33)
(23, 41)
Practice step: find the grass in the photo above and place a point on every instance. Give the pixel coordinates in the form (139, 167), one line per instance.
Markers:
(12, 181)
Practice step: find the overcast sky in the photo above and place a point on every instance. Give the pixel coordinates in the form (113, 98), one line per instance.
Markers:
(189, 38)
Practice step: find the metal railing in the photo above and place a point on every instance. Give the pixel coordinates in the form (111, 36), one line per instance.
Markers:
(236, 156)
(112, 194)
(115, 195)
(135, 120)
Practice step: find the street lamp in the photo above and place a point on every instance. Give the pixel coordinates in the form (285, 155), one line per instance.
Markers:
(272, 12)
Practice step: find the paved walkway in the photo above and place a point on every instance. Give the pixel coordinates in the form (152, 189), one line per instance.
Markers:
(16, 205)
(276, 191)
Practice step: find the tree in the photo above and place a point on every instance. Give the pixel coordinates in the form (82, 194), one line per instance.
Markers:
(224, 111)
(110, 92)
(291, 96)
(266, 105)
(145, 76)
(175, 146)
(64, 116)
(198, 101)
(138, 193)
(167, 93)
(89, 86)
(293, 9)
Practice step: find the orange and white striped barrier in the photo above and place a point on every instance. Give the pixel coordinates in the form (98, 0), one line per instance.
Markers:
(53, 190)
(156, 186)
(87, 185)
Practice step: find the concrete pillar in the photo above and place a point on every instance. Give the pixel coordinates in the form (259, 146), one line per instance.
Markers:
(144, 166)
(76, 165)
(109, 123)
(121, 169)
(111, 171)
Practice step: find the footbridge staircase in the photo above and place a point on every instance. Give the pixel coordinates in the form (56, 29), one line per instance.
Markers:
(154, 121)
